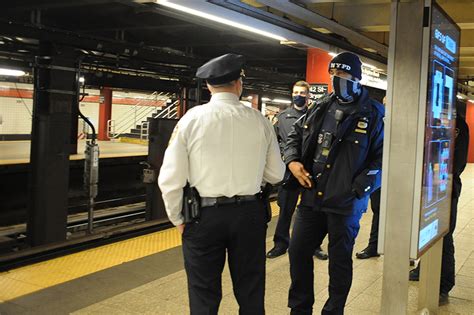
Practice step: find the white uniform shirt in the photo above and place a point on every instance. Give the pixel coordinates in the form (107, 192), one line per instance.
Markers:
(223, 148)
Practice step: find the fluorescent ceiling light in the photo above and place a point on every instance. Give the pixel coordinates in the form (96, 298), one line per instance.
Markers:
(278, 100)
(332, 54)
(11, 72)
(218, 19)
(266, 99)
(459, 96)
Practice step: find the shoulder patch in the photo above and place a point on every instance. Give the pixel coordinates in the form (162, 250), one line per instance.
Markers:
(173, 135)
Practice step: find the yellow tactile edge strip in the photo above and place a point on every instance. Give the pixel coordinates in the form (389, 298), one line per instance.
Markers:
(35, 277)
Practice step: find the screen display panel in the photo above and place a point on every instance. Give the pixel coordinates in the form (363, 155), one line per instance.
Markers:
(439, 129)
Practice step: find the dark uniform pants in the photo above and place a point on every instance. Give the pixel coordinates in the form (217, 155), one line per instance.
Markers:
(310, 228)
(287, 200)
(374, 229)
(239, 230)
(448, 262)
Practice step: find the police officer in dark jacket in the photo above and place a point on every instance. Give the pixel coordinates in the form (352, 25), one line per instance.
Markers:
(461, 146)
(335, 153)
(288, 197)
(371, 249)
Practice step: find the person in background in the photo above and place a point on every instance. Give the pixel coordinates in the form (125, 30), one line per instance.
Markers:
(288, 196)
(224, 150)
(371, 249)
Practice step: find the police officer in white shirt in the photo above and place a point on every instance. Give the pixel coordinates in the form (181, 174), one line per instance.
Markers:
(225, 150)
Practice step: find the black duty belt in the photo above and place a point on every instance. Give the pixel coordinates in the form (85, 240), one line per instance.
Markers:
(216, 201)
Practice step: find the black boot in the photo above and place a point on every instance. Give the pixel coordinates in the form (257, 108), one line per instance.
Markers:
(367, 252)
(320, 254)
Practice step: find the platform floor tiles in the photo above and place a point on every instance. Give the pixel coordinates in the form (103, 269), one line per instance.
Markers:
(156, 283)
(18, 152)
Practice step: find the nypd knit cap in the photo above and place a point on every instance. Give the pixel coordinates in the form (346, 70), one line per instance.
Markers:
(347, 62)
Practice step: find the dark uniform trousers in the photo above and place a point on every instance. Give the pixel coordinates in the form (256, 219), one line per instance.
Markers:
(287, 200)
(374, 229)
(310, 228)
(448, 262)
(238, 230)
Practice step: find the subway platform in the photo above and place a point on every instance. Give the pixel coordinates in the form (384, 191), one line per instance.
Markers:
(18, 152)
(145, 275)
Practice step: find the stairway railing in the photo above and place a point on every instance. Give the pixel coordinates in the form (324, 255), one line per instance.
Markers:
(132, 117)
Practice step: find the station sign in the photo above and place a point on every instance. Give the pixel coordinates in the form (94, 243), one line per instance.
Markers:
(373, 78)
(317, 90)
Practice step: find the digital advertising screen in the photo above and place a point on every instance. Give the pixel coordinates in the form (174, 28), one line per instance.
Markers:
(439, 129)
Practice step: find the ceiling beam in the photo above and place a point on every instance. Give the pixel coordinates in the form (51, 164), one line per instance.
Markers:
(309, 16)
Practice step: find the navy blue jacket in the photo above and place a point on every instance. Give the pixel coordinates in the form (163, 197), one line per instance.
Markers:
(354, 164)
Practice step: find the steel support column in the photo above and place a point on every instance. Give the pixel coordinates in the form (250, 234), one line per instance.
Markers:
(160, 131)
(55, 94)
(105, 112)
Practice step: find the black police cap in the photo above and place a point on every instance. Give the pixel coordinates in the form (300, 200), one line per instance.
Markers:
(347, 62)
(222, 69)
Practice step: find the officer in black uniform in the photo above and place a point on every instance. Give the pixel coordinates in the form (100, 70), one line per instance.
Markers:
(288, 196)
(371, 249)
(335, 152)
(461, 146)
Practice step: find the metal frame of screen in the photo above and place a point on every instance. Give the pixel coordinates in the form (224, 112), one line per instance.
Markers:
(427, 72)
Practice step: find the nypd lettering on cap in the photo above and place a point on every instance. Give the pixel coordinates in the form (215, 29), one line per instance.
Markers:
(342, 66)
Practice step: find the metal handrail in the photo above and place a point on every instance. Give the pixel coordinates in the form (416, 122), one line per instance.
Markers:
(132, 108)
(136, 114)
(170, 111)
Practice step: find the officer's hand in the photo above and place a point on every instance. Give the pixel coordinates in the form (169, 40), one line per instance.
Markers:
(302, 175)
(181, 228)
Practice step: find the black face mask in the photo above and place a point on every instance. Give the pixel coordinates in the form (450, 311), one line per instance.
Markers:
(346, 90)
(299, 100)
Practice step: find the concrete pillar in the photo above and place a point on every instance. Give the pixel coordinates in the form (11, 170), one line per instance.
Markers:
(400, 151)
(105, 112)
(470, 122)
(257, 101)
(317, 63)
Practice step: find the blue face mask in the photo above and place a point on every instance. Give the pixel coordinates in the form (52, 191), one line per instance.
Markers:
(299, 100)
(346, 90)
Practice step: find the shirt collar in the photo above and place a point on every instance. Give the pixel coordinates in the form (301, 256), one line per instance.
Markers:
(224, 96)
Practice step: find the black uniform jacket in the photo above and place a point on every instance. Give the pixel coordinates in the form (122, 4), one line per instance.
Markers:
(353, 166)
(461, 146)
(284, 123)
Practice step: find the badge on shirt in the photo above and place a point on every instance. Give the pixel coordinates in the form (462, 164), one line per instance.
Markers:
(362, 124)
(320, 138)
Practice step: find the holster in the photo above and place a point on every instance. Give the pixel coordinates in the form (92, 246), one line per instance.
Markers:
(265, 198)
(191, 204)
